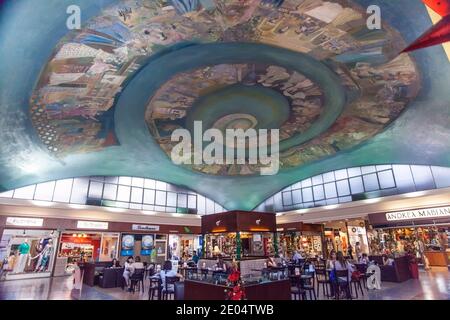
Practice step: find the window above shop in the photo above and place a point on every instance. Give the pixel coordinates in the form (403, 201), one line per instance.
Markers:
(119, 192)
(356, 183)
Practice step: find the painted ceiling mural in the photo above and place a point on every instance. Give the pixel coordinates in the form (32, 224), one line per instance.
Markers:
(105, 99)
(72, 106)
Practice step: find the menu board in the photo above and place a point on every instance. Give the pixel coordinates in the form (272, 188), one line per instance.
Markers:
(147, 244)
(127, 245)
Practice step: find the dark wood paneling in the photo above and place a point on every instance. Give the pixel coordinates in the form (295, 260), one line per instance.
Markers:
(277, 290)
(300, 226)
(256, 221)
(233, 221)
(219, 222)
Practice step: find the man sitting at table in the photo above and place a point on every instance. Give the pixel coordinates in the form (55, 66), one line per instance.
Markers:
(168, 272)
(297, 257)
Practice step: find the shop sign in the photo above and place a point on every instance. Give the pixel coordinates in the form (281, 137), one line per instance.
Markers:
(24, 222)
(92, 225)
(144, 227)
(419, 214)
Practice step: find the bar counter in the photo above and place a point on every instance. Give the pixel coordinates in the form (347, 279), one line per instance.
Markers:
(271, 290)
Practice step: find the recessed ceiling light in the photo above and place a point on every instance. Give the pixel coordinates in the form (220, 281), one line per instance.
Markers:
(415, 194)
(115, 209)
(374, 200)
(77, 206)
(42, 203)
(177, 215)
(148, 212)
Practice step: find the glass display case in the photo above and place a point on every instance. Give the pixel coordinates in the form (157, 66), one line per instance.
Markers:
(245, 244)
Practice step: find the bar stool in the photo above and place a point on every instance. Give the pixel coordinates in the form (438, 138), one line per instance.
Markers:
(155, 288)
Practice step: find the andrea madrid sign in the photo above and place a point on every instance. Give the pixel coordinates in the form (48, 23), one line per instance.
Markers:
(441, 212)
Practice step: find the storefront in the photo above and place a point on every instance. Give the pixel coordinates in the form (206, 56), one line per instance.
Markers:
(423, 232)
(150, 247)
(182, 246)
(239, 234)
(301, 237)
(26, 250)
(157, 243)
(55, 244)
(349, 236)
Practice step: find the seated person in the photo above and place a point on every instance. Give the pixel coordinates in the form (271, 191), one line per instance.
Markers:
(297, 256)
(220, 265)
(195, 258)
(342, 264)
(128, 269)
(388, 260)
(271, 263)
(364, 259)
(137, 264)
(331, 261)
(168, 272)
(115, 263)
(190, 262)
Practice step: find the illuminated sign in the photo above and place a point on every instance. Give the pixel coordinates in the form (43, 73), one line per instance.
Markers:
(92, 225)
(24, 222)
(419, 214)
(144, 227)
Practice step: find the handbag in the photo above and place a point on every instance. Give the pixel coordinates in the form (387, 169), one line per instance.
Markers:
(356, 275)
(333, 275)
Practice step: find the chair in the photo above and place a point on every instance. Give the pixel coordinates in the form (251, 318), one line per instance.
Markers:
(108, 278)
(155, 288)
(169, 287)
(323, 280)
(362, 268)
(309, 286)
(137, 278)
(296, 288)
(340, 284)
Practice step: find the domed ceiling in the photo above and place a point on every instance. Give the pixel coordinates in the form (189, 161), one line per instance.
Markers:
(105, 99)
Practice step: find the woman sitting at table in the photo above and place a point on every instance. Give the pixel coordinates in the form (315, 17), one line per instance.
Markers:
(168, 272)
(271, 263)
(364, 259)
(221, 265)
(128, 270)
(342, 264)
(115, 263)
(331, 260)
(388, 260)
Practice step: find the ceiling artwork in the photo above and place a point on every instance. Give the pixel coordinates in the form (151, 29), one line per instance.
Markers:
(105, 99)
(352, 76)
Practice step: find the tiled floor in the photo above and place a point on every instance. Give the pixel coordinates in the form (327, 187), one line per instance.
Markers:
(432, 285)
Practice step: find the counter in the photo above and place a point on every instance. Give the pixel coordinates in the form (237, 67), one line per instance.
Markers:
(270, 290)
(437, 258)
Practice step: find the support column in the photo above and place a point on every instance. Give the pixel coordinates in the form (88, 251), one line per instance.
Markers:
(275, 243)
(238, 246)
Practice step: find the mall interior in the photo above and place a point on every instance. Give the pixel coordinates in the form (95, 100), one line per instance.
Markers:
(93, 205)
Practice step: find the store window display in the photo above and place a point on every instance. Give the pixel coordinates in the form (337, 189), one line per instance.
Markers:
(308, 245)
(27, 252)
(423, 242)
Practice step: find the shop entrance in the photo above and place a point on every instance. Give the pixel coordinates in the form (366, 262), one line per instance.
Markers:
(85, 247)
(182, 246)
(27, 254)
